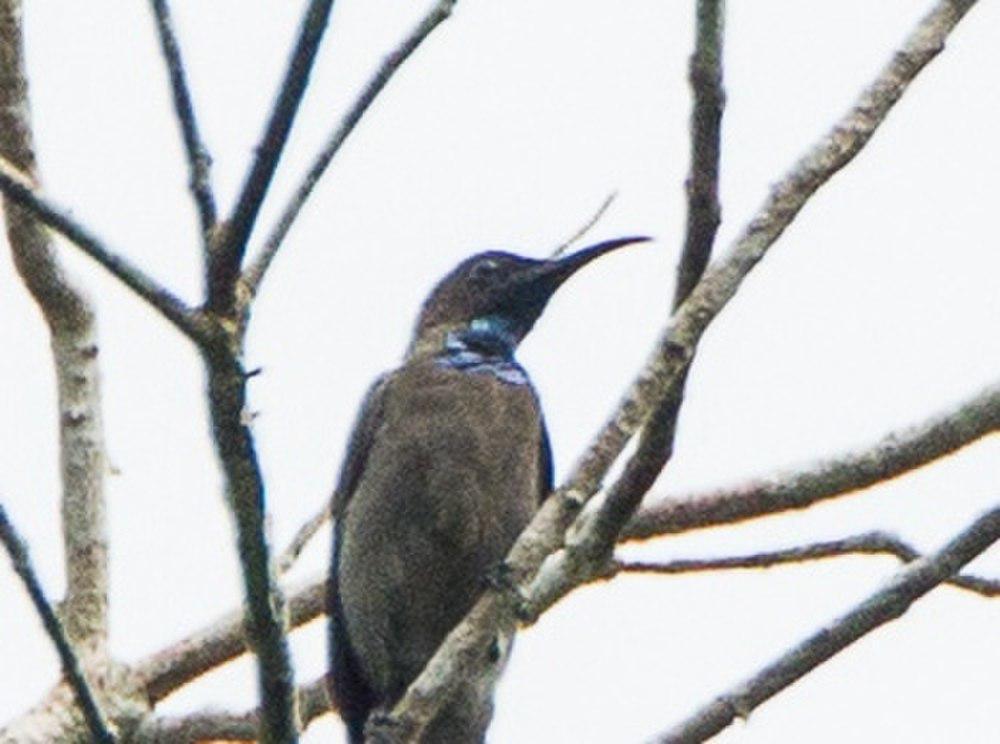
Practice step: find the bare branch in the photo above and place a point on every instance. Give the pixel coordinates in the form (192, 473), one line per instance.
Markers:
(392, 62)
(586, 226)
(18, 188)
(868, 543)
(906, 586)
(228, 256)
(895, 454)
(72, 668)
(184, 661)
(212, 725)
(73, 334)
(704, 212)
(306, 533)
(198, 158)
(596, 536)
(244, 484)
(464, 652)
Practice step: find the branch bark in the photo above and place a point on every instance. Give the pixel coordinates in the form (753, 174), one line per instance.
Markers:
(464, 653)
(885, 605)
(20, 189)
(393, 61)
(868, 543)
(217, 726)
(199, 161)
(704, 212)
(73, 336)
(18, 551)
(896, 453)
(244, 484)
(223, 640)
(232, 242)
(595, 537)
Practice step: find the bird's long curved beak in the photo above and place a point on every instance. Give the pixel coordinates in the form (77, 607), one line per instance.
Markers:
(563, 268)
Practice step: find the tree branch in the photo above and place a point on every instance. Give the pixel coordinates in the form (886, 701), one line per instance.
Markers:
(72, 668)
(596, 536)
(868, 543)
(198, 159)
(18, 188)
(305, 533)
(223, 640)
(704, 213)
(464, 652)
(228, 254)
(392, 62)
(896, 453)
(73, 335)
(885, 605)
(244, 486)
(212, 725)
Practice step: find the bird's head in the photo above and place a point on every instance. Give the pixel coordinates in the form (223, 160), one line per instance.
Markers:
(501, 293)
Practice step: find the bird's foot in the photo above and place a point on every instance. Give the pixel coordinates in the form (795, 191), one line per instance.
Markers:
(382, 728)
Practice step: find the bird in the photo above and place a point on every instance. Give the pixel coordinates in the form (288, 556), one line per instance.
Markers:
(448, 460)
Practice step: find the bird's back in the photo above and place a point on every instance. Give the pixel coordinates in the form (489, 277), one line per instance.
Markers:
(454, 468)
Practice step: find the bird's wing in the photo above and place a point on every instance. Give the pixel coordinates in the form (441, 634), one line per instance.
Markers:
(365, 426)
(348, 686)
(545, 478)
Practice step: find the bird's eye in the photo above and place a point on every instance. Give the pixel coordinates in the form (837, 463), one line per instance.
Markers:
(484, 270)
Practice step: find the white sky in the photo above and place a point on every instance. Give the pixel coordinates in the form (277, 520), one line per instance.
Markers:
(878, 307)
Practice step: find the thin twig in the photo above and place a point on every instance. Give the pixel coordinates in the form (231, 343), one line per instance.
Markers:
(390, 64)
(210, 725)
(19, 189)
(889, 603)
(18, 551)
(462, 655)
(893, 455)
(199, 161)
(868, 543)
(305, 533)
(228, 255)
(586, 227)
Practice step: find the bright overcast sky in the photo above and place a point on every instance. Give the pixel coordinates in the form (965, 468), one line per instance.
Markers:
(878, 307)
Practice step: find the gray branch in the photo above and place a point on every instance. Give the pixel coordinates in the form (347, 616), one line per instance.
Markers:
(868, 543)
(182, 662)
(883, 606)
(214, 725)
(392, 62)
(18, 188)
(704, 212)
(72, 668)
(463, 653)
(227, 257)
(198, 158)
(73, 333)
(896, 453)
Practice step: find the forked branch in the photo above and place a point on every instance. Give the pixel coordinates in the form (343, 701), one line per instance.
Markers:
(393, 61)
(895, 454)
(19, 189)
(462, 653)
(868, 543)
(198, 158)
(72, 668)
(907, 586)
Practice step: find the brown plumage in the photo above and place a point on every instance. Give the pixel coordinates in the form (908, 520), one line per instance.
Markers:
(447, 463)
